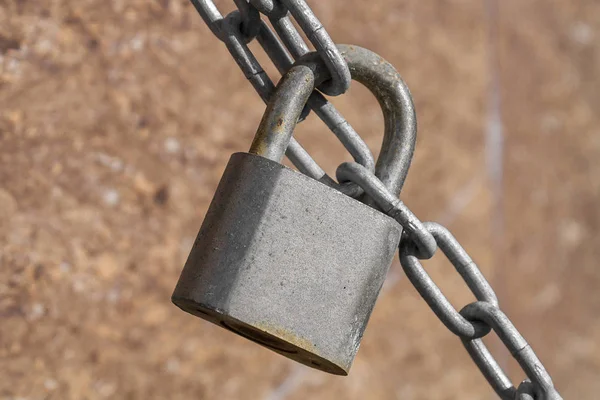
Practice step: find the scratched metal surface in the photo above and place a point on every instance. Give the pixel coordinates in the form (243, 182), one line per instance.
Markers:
(117, 119)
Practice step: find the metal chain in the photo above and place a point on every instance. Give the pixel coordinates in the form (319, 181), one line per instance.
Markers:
(419, 240)
(475, 320)
(230, 30)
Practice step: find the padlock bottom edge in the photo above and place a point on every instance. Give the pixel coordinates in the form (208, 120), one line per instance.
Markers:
(278, 344)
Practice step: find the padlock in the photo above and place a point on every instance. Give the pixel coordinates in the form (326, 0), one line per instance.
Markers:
(285, 260)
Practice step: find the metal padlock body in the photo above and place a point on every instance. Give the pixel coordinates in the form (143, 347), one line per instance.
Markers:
(285, 260)
(288, 262)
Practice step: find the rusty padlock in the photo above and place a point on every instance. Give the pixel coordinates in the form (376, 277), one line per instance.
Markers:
(281, 258)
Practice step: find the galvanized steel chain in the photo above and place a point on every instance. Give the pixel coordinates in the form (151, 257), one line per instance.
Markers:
(475, 320)
(240, 27)
(381, 183)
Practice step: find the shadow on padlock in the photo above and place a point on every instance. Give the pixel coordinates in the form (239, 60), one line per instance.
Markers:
(285, 260)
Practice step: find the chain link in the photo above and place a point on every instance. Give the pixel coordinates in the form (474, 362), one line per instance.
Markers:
(492, 316)
(419, 240)
(277, 11)
(479, 286)
(476, 319)
(318, 36)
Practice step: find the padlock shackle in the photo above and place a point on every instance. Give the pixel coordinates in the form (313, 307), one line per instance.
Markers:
(400, 120)
(283, 111)
(380, 77)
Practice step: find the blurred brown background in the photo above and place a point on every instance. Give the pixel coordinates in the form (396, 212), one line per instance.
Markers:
(117, 119)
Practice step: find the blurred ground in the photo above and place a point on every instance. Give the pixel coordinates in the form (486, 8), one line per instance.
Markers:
(118, 117)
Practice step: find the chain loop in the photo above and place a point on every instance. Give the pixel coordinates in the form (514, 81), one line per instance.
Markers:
(277, 11)
(214, 19)
(431, 293)
(250, 19)
(525, 391)
(236, 44)
(318, 36)
(492, 316)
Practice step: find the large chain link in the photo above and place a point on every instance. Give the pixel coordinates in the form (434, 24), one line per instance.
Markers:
(475, 320)
(419, 240)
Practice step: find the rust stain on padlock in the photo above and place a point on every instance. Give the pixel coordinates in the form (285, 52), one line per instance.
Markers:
(261, 149)
(279, 128)
(310, 356)
(274, 337)
(287, 336)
